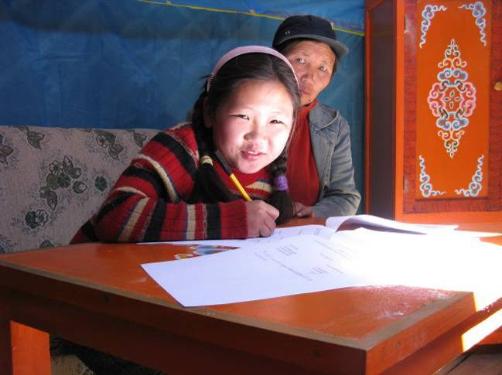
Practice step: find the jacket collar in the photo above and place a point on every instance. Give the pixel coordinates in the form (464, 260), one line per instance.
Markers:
(322, 116)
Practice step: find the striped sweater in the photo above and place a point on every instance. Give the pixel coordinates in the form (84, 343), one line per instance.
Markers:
(148, 202)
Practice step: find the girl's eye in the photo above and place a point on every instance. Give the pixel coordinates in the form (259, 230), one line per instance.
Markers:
(300, 60)
(277, 122)
(242, 116)
(323, 68)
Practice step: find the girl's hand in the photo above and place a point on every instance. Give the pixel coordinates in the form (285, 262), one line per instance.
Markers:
(302, 211)
(260, 218)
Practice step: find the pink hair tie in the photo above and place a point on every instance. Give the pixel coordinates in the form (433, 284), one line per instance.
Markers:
(242, 51)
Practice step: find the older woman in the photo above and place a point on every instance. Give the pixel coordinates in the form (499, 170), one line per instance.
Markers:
(320, 170)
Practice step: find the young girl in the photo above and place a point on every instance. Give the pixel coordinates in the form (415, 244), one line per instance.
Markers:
(179, 188)
(196, 181)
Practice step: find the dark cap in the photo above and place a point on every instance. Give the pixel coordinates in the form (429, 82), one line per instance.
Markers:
(309, 27)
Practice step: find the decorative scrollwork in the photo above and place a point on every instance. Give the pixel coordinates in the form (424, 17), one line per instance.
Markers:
(425, 181)
(427, 15)
(475, 186)
(452, 99)
(478, 11)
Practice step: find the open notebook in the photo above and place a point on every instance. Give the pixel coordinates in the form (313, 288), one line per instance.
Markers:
(379, 223)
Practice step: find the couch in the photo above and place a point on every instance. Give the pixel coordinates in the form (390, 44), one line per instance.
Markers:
(53, 179)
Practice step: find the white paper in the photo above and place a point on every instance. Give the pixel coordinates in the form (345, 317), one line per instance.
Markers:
(439, 261)
(335, 222)
(310, 263)
(279, 233)
(475, 234)
(291, 265)
(332, 225)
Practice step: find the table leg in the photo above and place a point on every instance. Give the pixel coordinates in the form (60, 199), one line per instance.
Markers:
(23, 350)
(31, 354)
(5, 345)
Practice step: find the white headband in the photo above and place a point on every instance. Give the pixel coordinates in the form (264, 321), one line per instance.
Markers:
(242, 51)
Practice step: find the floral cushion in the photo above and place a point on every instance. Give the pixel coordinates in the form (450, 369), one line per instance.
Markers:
(53, 179)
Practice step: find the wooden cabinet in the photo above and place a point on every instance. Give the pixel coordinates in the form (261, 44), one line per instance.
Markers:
(434, 110)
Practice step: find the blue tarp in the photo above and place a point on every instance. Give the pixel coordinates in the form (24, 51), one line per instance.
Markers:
(132, 63)
(347, 14)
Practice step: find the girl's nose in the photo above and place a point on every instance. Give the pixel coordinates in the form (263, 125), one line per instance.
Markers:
(256, 131)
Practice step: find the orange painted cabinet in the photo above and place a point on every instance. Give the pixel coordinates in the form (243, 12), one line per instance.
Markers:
(434, 110)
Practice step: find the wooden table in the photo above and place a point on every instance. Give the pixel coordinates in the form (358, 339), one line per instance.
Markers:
(98, 295)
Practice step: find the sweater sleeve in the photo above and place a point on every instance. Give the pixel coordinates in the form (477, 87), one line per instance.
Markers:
(340, 196)
(149, 202)
(331, 142)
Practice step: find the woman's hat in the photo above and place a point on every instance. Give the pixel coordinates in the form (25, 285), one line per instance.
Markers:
(309, 27)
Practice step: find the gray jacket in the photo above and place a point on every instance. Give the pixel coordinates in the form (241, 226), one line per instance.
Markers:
(330, 134)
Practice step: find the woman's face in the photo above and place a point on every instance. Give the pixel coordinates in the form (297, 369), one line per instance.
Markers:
(251, 129)
(313, 63)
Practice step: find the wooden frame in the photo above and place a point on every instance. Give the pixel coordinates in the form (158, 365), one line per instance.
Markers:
(390, 160)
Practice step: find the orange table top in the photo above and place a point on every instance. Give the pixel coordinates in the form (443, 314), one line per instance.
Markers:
(369, 329)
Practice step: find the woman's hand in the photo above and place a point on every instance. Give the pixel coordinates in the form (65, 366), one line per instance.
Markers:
(260, 218)
(303, 211)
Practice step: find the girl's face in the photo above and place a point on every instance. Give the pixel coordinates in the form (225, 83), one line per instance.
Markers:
(313, 63)
(251, 129)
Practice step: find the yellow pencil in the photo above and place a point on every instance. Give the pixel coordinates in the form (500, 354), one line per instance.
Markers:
(239, 187)
(234, 179)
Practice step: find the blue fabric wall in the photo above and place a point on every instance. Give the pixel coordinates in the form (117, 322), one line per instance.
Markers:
(131, 63)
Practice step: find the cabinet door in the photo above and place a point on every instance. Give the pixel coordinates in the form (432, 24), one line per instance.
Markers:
(434, 99)
(452, 112)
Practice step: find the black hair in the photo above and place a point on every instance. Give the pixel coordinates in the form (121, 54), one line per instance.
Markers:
(250, 66)
(288, 45)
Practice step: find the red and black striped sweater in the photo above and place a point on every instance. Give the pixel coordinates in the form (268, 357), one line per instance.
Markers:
(148, 202)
